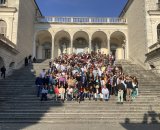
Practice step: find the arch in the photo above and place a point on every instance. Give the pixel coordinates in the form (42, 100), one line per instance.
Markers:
(43, 44)
(80, 42)
(12, 65)
(60, 34)
(158, 32)
(99, 41)
(3, 27)
(62, 42)
(1, 62)
(83, 34)
(117, 45)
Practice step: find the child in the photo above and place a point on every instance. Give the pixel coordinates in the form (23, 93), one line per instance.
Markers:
(50, 92)
(56, 91)
(62, 92)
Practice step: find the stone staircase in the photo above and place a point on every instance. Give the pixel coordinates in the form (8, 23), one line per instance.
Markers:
(19, 104)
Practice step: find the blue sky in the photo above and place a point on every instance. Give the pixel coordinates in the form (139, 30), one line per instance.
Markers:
(93, 8)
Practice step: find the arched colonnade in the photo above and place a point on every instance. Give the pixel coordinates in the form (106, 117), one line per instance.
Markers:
(47, 45)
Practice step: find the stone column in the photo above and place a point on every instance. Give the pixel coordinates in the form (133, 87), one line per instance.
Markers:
(34, 47)
(52, 51)
(90, 44)
(71, 45)
(109, 46)
(126, 49)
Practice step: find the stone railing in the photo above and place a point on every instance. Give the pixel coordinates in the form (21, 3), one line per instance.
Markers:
(89, 20)
(155, 46)
(7, 41)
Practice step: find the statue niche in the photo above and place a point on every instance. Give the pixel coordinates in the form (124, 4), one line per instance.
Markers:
(64, 44)
(80, 45)
(96, 44)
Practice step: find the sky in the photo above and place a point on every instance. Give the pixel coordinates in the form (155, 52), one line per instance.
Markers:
(81, 8)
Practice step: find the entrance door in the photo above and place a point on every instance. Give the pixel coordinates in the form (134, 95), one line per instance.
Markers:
(113, 52)
(47, 53)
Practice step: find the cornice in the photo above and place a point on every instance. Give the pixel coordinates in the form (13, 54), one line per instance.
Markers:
(8, 9)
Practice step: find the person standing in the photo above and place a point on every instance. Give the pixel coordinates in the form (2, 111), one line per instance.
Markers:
(26, 61)
(120, 87)
(3, 72)
(39, 83)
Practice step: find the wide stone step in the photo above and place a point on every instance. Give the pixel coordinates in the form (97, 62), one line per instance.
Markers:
(18, 99)
(112, 101)
(136, 104)
(82, 111)
(76, 115)
(80, 120)
(59, 108)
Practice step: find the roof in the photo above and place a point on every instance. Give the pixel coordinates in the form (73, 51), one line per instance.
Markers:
(126, 7)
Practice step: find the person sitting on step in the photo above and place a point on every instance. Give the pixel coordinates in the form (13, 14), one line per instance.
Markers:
(44, 93)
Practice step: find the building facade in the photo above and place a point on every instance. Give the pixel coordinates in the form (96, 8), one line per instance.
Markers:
(134, 35)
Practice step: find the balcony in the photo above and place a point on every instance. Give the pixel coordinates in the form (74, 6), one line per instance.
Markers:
(81, 20)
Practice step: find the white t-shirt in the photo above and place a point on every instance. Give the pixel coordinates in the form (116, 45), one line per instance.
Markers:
(42, 74)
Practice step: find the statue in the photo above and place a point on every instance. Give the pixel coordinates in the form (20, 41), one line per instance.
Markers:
(63, 48)
(96, 47)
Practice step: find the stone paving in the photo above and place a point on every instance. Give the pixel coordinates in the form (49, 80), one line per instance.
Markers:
(43, 126)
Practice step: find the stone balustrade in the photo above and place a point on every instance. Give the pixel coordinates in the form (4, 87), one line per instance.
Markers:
(154, 46)
(7, 41)
(90, 20)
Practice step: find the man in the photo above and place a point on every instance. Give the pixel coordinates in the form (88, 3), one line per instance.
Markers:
(120, 87)
(39, 83)
(43, 73)
(3, 72)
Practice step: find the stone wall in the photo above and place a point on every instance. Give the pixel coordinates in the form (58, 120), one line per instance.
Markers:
(26, 19)
(136, 17)
(10, 15)
(8, 59)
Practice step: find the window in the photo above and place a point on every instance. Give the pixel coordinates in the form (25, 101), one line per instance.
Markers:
(158, 32)
(3, 27)
(2, 2)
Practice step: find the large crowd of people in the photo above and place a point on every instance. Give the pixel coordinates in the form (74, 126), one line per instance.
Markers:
(92, 76)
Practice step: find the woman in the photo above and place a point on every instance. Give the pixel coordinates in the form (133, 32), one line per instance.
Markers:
(128, 83)
(97, 84)
(137, 85)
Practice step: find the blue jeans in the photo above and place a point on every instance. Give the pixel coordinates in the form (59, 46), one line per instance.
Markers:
(39, 88)
(105, 96)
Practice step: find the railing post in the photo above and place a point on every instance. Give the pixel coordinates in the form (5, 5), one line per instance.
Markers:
(90, 20)
(71, 19)
(53, 19)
